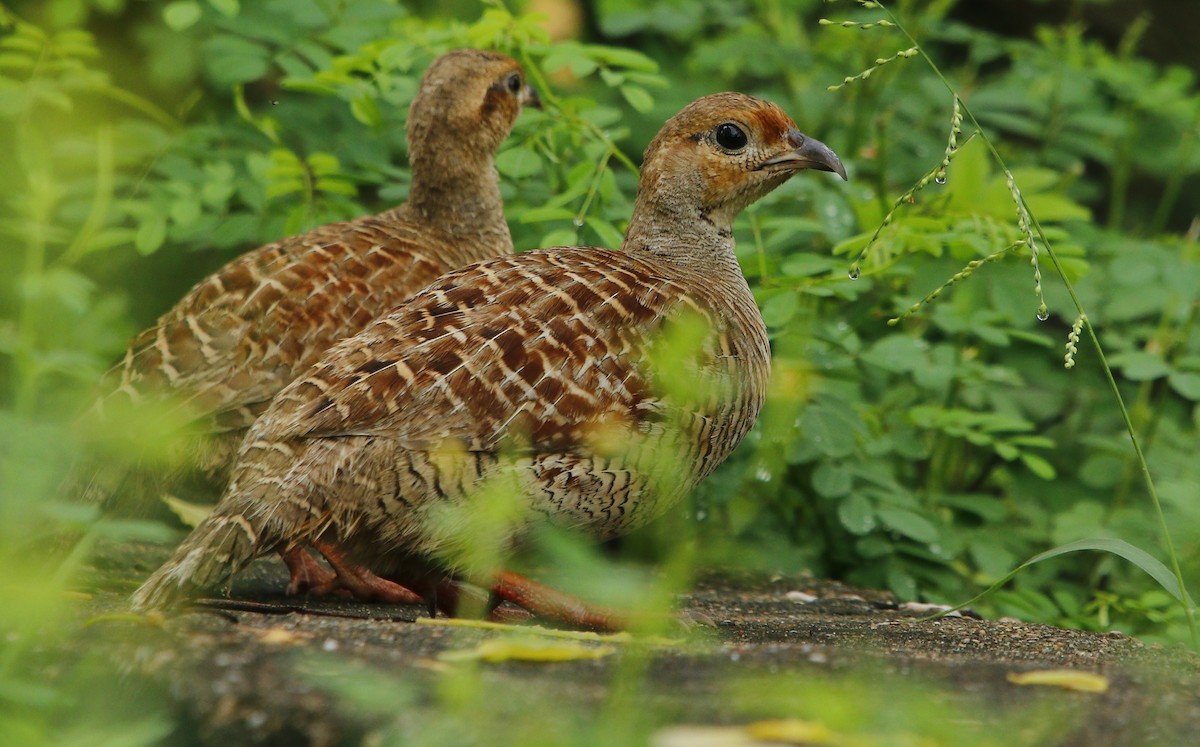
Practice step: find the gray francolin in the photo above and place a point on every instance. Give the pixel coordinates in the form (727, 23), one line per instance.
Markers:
(242, 334)
(536, 373)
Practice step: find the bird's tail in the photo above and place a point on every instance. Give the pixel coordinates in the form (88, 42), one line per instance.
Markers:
(223, 544)
(257, 515)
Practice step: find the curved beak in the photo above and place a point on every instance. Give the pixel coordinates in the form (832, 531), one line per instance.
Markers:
(807, 153)
(529, 97)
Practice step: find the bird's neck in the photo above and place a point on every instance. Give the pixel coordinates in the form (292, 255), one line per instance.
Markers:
(459, 198)
(685, 236)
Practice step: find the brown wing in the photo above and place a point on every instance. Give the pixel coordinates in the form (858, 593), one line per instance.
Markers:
(543, 346)
(243, 333)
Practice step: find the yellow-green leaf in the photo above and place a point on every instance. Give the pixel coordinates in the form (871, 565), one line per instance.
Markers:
(189, 513)
(1067, 679)
(794, 731)
(498, 650)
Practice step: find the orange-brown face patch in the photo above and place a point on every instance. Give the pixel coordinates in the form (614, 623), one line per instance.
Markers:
(498, 99)
(771, 124)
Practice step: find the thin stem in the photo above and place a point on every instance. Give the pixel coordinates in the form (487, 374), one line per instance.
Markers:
(760, 249)
(1174, 183)
(101, 198)
(593, 187)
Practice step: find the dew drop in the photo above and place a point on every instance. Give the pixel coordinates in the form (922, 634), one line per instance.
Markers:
(939, 179)
(578, 221)
(854, 272)
(1043, 314)
(274, 102)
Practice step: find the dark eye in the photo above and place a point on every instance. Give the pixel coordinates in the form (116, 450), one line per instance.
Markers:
(514, 83)
(730, 137)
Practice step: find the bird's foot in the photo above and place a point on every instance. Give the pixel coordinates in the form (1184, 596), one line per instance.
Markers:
(307, 574)
(347, 578)
(362, 582)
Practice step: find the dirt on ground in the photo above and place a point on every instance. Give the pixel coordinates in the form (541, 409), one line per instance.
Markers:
(237, 671)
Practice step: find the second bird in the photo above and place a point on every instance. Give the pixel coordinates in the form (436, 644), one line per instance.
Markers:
(242, 334)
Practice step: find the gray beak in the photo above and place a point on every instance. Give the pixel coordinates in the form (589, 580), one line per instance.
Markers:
(529, 97)
(808, 153)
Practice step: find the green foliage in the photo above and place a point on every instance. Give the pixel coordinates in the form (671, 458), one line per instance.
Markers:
(919, 447)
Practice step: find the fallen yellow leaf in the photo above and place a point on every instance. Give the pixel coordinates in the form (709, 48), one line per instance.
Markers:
(280, 636)
(500, 650)
(1068, 679)
(793, 731)
(189, 513)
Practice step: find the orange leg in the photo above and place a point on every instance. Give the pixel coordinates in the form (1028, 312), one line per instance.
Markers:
(543, 601)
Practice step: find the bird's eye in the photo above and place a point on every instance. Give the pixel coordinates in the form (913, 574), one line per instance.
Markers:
(514, 83)
(730, 137)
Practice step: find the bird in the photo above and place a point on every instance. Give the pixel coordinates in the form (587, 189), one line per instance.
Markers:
(242, 334)
(550, 375)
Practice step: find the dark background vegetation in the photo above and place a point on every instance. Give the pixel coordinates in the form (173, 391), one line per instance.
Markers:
(144, 144)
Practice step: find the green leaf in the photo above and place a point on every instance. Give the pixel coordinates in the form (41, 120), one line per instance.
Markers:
(519, 163)
(189, 513)
(540, 214)
(1187, 385)
(1140, 366)
(608, 233)
(623, 57)
(831, 428)
(1038, 466)
(323, 164)
(780, 308)
(181, 15)
(897, 353)
(807, 265)
(991, 557)
(831, 479)
(561, 237)
(908, 523)
(151, 233)
(856, 514)
(227, 8)
(639, 98)
(366, 110)
(232, 59)
(1140, 558)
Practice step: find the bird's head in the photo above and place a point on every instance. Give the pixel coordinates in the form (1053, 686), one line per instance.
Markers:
(723, 152)
(469, 96)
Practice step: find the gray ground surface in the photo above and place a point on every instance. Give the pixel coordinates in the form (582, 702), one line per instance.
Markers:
(237, 676)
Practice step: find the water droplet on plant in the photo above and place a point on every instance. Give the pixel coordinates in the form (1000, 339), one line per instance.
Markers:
(578, 221)
(274, 102)
(1043, 314)
(939, 179)
(854, 272)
